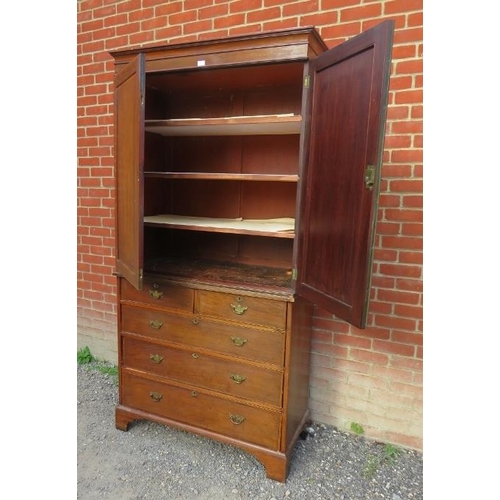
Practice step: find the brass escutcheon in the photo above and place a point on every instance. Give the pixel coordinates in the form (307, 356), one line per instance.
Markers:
(194, 394)
(195, 355)
(156, 294)
(156, 358)
(239, 341)
(236, 419)
(156, 324)
(237, 378)
(196, 321)
(155, 396)
(238, 308)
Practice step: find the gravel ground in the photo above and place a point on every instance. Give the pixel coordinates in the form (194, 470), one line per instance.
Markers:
(152, 461)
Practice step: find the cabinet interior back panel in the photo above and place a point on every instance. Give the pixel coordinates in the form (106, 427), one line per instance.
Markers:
(261, 154)
(225, 199)
(273, 101)
(267, 200)
(260, 251)
(219, 105)
(158, 198)
(161, 243)
(241, 78)
(157, 151)
(204, 198)
(270, 154)
(220, 93)
(205, 154)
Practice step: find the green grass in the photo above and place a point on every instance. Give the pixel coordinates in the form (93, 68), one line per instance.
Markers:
(108, 370)
(357, 429)
(387, 455)
(391, 452)
(373, 463)
(85, 357)
(371, 466)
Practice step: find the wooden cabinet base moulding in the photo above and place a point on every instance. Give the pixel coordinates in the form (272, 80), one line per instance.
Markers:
(247, 179)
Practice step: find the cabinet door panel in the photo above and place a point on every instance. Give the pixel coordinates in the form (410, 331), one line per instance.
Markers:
(129, 155)
(348, 110)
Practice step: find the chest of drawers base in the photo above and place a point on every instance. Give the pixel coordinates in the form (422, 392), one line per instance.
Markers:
(275, 462)
(228, 365)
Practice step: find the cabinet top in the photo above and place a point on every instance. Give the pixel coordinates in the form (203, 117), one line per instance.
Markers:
(272, 46)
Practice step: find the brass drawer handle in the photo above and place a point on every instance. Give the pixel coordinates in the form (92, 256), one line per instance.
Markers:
(196, 321)
(155, 396)
(237, 378)
(156, 358)
(154, 293)
(195, 355)
(194, 394)
(238, 308)
(156, 324)
(236, 419)
(239, 341)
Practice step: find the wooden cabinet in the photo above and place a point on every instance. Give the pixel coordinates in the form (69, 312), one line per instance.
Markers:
(247, 185)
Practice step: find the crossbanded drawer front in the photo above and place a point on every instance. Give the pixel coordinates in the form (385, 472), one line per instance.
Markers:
(230, 377)
(239, 421)
(159, 293)
(250, 343)
(267, 312)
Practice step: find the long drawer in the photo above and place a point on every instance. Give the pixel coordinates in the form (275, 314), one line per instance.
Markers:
(237, 340)
(239, 421)
(256, 310)
(230, 377)
(159, 293)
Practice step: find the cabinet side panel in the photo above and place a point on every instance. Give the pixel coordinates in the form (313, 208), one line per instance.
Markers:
(300, 320)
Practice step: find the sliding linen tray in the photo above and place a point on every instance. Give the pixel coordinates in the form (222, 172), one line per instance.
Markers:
(282, 227)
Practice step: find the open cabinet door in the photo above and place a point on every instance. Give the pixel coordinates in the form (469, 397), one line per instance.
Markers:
(349, 88)
(129, 165)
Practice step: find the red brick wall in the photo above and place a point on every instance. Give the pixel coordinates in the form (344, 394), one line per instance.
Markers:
(372, 377)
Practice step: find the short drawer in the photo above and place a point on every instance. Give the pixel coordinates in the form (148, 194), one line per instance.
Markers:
(230, 377)
(266, 312)
(235, 420)
(159, 293)
(266, 346)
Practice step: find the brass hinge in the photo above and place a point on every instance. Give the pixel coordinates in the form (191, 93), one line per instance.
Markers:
(307, 81)
(369, 176)
(294, 273)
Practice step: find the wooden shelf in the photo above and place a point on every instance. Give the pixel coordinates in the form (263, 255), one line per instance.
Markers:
(283, 124)
(277, 228)
(223, 176)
